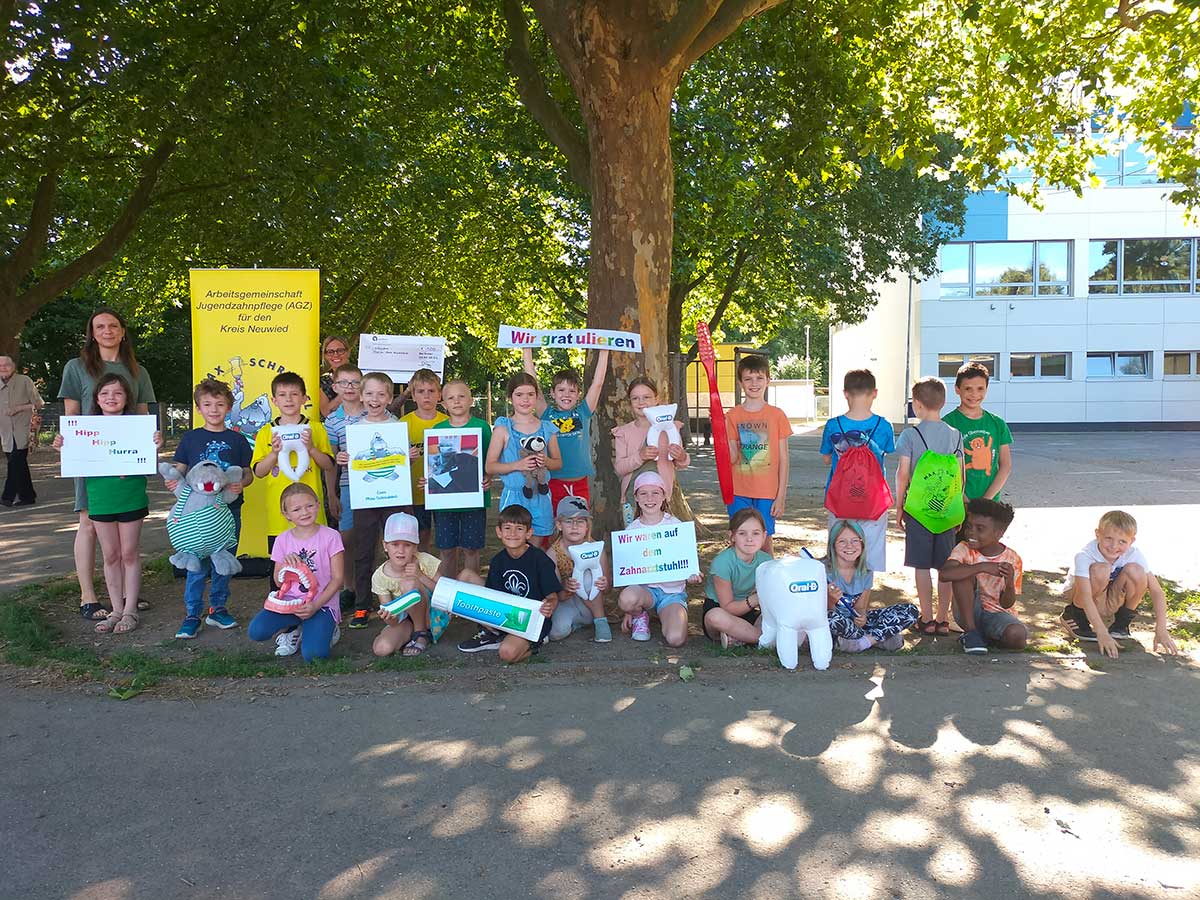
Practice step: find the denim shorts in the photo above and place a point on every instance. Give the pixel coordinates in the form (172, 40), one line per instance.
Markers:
(762, 505)
(662, 599)
(346, 521)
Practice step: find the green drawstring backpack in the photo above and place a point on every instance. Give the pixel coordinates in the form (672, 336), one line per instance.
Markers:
(935, 494)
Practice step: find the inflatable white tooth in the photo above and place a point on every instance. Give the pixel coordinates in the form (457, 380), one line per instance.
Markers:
(662, 421)
(587, 567)
(292, 438)
(792, 592)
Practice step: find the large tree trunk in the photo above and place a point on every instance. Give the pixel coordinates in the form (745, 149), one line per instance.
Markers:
(625, 95)
(624, 59)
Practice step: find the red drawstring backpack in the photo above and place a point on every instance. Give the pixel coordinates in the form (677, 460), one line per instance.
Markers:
(858, 489)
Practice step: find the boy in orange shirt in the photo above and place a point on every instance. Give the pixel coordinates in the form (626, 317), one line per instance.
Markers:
(758, 444)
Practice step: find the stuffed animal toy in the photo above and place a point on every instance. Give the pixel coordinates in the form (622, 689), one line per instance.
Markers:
(291, 436)
(792, 593)
(587, 567)
(662, 422)
(200, 525)
(297, 586)
(539, 479)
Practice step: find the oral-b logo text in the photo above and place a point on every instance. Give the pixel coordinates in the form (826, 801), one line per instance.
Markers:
(802, 587)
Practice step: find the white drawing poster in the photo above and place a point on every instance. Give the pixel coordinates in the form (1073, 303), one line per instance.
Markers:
(454, 468)
(380, 473)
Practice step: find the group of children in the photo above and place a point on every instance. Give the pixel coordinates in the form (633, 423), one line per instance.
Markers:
(949, 479)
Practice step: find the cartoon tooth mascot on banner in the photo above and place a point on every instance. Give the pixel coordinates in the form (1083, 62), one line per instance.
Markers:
(248, 325)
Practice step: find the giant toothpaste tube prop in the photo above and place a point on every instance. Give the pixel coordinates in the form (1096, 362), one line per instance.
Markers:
(292, 438)
(495, 609)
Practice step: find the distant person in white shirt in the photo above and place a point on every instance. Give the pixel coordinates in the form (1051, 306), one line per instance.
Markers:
(1108, 579)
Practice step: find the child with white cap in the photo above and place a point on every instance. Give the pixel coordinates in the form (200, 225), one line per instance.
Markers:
(405, 570)
(668, 599)
(573, 520)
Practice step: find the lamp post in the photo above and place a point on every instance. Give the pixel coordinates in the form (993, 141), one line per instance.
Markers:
(807, 355)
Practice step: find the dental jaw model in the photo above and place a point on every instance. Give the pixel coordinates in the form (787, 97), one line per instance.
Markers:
(587, 569)
(291, 436)
(297, 586)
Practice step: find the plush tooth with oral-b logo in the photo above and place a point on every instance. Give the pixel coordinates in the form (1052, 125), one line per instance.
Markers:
(588, 569)
(292, 439)
(662, 421)
(792, 593)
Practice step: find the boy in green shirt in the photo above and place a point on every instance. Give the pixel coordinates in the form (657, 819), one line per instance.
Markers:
(987, 444)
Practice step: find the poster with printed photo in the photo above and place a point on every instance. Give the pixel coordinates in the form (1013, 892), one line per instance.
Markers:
(379, 464)
(453, 468)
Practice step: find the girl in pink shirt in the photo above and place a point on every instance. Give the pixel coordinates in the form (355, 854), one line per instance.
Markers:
(631, 456)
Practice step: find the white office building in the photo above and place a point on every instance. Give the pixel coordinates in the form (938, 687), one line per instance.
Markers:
(1086, 311)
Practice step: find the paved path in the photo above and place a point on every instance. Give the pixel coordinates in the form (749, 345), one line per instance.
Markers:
(1009, 778)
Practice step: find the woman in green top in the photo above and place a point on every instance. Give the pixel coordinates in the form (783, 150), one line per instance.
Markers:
(107, 348)
(117, 504)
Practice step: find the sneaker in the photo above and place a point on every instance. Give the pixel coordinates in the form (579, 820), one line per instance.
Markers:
(360, 619)
(189, 629)
(288, 643)
(1076, 622)
(483, 640)
(892, 642)
(346, 600)
(603, 631)
(337, 636)
(1119, 629)
(641, 627)
(973, 642)
(220, 618)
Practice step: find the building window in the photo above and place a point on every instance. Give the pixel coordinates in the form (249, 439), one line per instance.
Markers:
(1039, 365)
(1126, 166)
(1122, 364)
(1142, 266)
(1181, 364)
(950, 363)
(1006, 269)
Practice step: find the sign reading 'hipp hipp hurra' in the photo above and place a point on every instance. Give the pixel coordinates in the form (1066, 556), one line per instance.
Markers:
(108, 445)
(569, 338)
(651, 555)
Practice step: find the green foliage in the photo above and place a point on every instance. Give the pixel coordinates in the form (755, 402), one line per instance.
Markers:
(768, 160)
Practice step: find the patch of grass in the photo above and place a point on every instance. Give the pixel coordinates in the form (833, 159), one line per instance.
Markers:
(1182, 604)
(23, 628)
(339, 665)
(158, 570)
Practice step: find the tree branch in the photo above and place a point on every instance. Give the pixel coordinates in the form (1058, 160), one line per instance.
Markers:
(531, 87)
(37, 232)
(681, 32)
(197, 188)
(735, 275)
(344, 297)
(725, 22)
(110, 242)
(371, 311)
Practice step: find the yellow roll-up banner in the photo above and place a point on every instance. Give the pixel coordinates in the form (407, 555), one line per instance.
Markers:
(248, 325)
